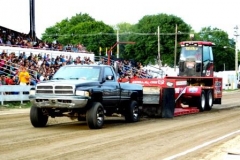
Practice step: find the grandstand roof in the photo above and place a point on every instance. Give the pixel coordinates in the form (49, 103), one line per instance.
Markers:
(2, 28)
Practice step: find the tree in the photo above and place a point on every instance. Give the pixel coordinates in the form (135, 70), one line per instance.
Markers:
(81, 29)
(93, 35)
(146, 38)
(124, 29)
(223, 52)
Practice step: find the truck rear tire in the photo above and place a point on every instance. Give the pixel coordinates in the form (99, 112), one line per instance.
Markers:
(132, 112)
(95, 116)
(209, 100)
(202, 102)
(37, 117)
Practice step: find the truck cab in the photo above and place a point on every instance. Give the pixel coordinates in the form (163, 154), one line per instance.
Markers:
(196, 59)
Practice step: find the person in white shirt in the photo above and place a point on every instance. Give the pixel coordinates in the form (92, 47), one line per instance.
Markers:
(40, 61)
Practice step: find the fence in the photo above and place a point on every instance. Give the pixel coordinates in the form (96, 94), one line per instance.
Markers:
(16, 93)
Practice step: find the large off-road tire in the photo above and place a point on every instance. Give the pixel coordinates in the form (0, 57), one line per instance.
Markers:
(95, 116)
(201, 102)
(132, 112)
(37, 117)
(209, 100)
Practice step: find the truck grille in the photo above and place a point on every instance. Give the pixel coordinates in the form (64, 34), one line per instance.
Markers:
(58, 90)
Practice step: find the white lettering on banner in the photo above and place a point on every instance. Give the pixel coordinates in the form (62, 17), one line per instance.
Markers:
(137, 82)
(146, 82)
(177, 90)
(180, 83)
(140, 82)
(161, 81)
(169, 84)
(208, 73)
(156, 82)
(193, 89)
(153, 82)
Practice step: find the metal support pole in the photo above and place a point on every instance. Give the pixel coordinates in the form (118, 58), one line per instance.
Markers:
(236, 50)
(175, 48)
(159, 57)
(118, 44)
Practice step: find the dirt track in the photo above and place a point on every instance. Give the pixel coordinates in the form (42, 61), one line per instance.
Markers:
(148, 139)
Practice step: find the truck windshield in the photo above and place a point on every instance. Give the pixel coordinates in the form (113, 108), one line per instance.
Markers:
(191, 52)
(77, 73)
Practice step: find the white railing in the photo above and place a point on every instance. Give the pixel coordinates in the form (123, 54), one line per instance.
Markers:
(14, 93)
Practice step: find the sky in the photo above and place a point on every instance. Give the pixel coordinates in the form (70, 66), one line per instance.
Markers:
(221, 14)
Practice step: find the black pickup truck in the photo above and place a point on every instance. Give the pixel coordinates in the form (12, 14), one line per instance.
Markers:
(87, 93)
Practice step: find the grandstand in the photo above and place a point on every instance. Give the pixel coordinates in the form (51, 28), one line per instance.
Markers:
(43, 59)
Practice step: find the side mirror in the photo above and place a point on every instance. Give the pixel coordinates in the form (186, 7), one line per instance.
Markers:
(109, 77)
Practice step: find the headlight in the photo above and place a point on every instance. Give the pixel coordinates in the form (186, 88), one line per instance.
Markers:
(82, 93)
(32, 92)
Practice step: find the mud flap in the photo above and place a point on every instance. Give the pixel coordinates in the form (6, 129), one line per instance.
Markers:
(217, 101)
(168, 102)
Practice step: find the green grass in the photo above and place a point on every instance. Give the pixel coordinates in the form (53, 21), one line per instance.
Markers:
(230, 90)
(15, 105)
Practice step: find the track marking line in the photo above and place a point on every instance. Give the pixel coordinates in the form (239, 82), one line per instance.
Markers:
(201, 146)
(14, 112)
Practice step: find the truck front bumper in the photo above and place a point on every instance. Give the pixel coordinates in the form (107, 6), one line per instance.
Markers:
(59, 101)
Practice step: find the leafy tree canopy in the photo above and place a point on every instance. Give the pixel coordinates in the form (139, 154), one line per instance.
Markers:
(93, 34)
(146, 47)
(223, 51)
(81, 29)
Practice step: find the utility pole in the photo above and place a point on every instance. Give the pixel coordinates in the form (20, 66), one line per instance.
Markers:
(32, 32)
(236, 50)
(175, 49)
(159, 58)
(118, 43)
(108, 52)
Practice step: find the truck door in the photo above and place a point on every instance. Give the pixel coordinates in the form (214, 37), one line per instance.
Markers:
(207, 62)
(110, 88)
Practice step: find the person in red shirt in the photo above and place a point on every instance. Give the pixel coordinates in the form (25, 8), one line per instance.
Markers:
(6, 79)
(11, 81)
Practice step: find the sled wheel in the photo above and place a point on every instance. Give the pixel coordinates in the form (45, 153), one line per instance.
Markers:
(202, 102)
(209, 100)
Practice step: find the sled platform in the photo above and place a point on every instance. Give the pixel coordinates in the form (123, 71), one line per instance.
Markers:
(184, 111)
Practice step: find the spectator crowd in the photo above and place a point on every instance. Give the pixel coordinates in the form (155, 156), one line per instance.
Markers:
(131, 70)
(29, 70)
(39, 68)
(16, 39)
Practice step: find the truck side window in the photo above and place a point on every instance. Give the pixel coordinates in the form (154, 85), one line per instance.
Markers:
(211, 54)
(207, 57)
(108, 72)
(206, 54)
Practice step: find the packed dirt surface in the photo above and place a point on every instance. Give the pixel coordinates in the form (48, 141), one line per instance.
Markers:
(207, 135)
